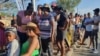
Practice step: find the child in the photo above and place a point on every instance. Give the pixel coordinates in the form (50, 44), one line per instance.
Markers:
(2, 36)
(31, 46)
(13, 43)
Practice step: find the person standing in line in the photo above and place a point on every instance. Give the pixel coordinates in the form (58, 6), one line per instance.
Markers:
(31, 46)
(3, 39)
(89, 29)
(83, 26)
(46, 26)
(13, 46)
(13, 21)
(23, 17)
(53, 13)
(70, 30)
(60, 29)
(96, 20)
(77, 28)
(38, 14)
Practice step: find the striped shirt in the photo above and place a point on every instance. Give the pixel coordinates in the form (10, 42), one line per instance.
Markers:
(45, 26)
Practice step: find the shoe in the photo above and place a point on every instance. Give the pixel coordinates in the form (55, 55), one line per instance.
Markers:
(92, 50)
(95, 51)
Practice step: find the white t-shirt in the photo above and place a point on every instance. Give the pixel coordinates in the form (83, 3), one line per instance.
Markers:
(13, 48)
(96, 19)
(88, 26)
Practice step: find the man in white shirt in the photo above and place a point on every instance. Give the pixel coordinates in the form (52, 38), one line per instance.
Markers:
(88, 31)
(96, 20)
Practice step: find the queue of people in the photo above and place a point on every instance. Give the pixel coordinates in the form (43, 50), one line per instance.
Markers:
(37, 33)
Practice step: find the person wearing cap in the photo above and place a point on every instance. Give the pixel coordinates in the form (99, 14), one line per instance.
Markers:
(3, 39)
(13, 46)
(46, 26)
(96, 20)
(62, 25)
(31, 46)
(23, 17)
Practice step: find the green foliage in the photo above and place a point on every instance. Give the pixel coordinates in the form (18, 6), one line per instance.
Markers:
(68, 4)
(4, 14)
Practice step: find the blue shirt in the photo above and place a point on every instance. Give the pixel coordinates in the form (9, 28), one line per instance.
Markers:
(89, 25)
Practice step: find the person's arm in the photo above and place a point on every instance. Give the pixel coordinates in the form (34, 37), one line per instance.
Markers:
(66, 24)
(32, 47)
(52, 33)
(86, 22)
(13, 49)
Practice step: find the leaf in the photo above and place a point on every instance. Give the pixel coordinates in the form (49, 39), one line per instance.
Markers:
(68, 4)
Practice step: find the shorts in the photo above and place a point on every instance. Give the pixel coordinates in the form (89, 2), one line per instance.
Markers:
(88, 34)
(59, 35)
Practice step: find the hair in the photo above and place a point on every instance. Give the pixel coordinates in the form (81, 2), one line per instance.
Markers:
(29, 9)
(35, 29)
(88, 13)
(12, 30)
(39, 6)
(16, 35)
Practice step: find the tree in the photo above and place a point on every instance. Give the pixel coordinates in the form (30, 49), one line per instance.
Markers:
(68, 4)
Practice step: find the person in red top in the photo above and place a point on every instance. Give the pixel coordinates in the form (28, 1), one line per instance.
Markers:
(3, 39)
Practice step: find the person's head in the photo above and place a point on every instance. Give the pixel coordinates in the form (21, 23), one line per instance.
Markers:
(53, 5)
(96, 11)
(88, 15)
(11, 33)
(29, 10)
(76, 15)
(46, 10)
(85, 15)
(32, 29)
(39, 8)
(71, 15)
(58, 9)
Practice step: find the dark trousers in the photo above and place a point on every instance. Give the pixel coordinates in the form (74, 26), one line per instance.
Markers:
(95, 38)
(46, 46)
(23, 37)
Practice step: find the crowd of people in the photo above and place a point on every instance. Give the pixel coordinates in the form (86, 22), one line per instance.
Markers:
(37, 33)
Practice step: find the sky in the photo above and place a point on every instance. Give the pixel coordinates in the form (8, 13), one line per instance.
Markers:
(84, 6)
(87, 6)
